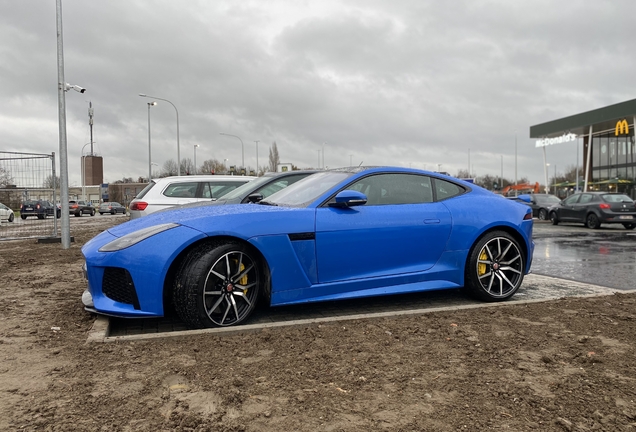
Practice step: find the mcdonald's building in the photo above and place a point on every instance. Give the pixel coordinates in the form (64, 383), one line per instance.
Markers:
(609, 149)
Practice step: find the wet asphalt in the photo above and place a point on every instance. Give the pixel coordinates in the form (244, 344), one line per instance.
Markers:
(604, 256)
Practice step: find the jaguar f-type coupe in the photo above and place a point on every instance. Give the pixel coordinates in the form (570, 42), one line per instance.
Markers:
(337, 234)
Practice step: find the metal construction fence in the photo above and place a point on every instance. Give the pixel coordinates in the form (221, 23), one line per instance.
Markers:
(28, 178)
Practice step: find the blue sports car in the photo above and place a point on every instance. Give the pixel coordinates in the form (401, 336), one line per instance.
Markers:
(337, 234)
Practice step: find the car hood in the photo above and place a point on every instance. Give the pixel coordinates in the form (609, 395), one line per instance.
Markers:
(241, 220)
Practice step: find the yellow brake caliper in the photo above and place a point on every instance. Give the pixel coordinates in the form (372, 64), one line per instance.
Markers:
(243, 280)
(481, 267)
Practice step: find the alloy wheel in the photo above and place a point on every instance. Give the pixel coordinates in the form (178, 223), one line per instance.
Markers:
(230, 288)
(500, 267)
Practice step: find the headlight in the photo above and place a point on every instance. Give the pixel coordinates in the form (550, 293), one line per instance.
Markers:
(135, 237)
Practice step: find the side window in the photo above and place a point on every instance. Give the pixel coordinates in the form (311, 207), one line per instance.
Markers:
(571, 200)
(384, 189)
(445, 189)
(585, 198)
(181, 190)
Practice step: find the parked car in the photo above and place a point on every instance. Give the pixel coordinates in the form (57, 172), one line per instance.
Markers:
(6, 214)
(79, 208)
(540, 203)
(337, 234)
(38, 208)
(171, 191)
(111, 207)
(594, 209)
(260, 188)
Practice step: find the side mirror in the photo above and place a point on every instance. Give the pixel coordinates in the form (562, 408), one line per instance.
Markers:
(255, 197)
(349, 198)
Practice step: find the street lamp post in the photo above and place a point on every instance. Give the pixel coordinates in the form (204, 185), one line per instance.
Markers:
(547, 185)
(225, 165)
(153, 103)
(177, 111)
(242, 148)
(195, 158)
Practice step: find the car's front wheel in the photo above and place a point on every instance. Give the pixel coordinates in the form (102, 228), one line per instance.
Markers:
(543, 214)
(92, 213)
(11, 217)
(495, 267)
(591, 221)
(217, 285)
(629, 226)
(554, 218)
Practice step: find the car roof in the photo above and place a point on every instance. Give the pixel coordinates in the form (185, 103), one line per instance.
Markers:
(179, 179)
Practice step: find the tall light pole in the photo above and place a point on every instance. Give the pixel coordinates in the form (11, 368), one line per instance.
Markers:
(242, 148)
(225, 165)
(195, 158)
(153, 103)
(256, 157)
(547, 185)
(177, 111)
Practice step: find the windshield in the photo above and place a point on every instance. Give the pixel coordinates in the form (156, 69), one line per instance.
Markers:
(246, 188)
(305, 191)
(548, 199)
(617, 198)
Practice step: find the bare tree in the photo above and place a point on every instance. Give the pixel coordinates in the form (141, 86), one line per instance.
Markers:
(5, 177)
(51, 182)
(274, 158)
(212, 166)
(169, 168)
(187, 166)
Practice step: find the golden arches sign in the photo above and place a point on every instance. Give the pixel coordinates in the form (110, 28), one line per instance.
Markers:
(622, 128)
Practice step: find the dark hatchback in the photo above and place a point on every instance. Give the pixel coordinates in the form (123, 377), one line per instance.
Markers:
(594, 209)
(39, 208)
(541, 203)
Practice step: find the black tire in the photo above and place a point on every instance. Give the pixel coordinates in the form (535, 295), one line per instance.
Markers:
(11, 217)
(592, 222)
(59, 214)
(77, 214)
(629, 226)
(217, 285)
(495, 267)
(554, 218)
(41, 216)
(543, 214)
(113, 212)
(23, 217)
(92, 213)
(101, 213)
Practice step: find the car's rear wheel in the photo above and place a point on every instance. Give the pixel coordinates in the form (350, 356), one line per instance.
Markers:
(591, 221)
(92, 213)
(543, 214)
(554, 218)
(495, 267)
(78, 214)
(629, 226)
(217, 285)
(23, 217)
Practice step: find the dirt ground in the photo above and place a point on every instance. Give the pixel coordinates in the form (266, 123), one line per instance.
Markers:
(566, 365)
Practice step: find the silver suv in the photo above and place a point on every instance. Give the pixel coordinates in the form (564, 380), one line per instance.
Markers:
(171, 191)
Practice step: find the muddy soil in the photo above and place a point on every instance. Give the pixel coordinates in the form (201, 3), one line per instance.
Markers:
(565, 365)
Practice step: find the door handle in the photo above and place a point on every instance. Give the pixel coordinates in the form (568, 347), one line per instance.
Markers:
(431, 221)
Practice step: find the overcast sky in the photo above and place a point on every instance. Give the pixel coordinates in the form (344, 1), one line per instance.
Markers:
(418, 83)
